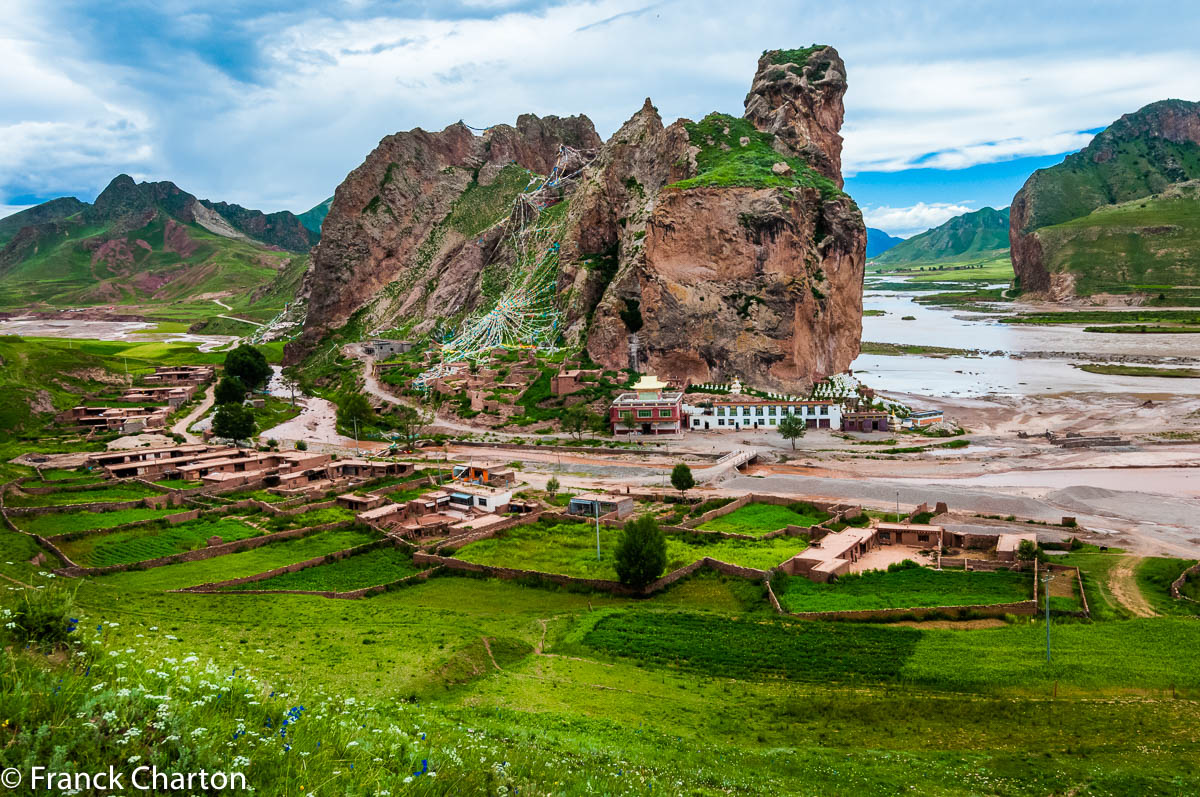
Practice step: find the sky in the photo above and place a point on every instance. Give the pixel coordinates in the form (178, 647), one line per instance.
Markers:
(951, 104)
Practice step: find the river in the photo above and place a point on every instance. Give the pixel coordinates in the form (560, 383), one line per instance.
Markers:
(997, 372)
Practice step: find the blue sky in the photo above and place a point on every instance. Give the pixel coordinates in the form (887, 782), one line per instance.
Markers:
(951, 104)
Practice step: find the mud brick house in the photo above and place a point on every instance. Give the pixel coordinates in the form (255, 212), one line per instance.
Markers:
(368, 469)
(150, 463)
(128, 420)
(649, 410)
(747, 412)
(600, 504)
(173, 396)
(180, 375)
(489, 473)
(832, 555)
(383, 348)
(865, 421)
(564, 383)
(914, 534)
(247, 467)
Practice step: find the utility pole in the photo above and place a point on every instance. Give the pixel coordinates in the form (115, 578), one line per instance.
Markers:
(897, 506)
(1046, 578)
(597, 531)
(356, 451)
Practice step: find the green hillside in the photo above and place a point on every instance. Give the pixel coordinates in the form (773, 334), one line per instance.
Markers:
(1148, 244)
(313, 217)
(979, 235)
(151, 249)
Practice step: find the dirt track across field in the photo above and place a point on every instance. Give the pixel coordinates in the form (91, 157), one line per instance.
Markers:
(1122, 583)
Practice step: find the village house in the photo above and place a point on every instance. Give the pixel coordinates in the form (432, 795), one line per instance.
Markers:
(919, 419)
(383, 348)
(600, 504)
(748, 412)
(564, 383)
(180, 375)
(127, 420)
(865, 421)
(648, 410)
(150, 463)
(173, 396)
(913, 534)
(482, 472)
(832, 555)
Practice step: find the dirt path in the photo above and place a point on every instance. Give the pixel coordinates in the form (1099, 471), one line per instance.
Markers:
(487, 646)
(181, 426)
(1122, 583)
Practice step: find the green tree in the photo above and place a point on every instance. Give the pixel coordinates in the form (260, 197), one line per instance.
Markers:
(230, 390)
(552, 486)
(681, 478)
(410, 424)
(233, 421)
(641, 553)
(1027, 550)
(792, 427)
(577, 420)
(354, 407)
(249, 365)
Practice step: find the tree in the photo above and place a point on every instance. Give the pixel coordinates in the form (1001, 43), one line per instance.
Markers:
(1027, 550)
(354, 407)
(410, 424)
(641, 553)
(792, 427)
(552, 485)
(230, 390)
(577, 420)
(681, 478)
(233, 421)
(249, 365)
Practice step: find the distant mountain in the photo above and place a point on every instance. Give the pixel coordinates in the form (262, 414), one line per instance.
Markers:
(144, 243)
(879, 242)
(313, 217)
(977, 235)
(1078, 227)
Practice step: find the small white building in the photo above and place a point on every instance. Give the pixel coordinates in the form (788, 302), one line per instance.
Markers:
(749, 412)
(464, 495)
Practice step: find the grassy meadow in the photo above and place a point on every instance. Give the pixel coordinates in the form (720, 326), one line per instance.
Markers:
(369, 569)
(757, 519)
(904, 588)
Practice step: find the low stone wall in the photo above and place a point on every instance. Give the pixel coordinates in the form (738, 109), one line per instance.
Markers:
(601, 585)
(201, 553)
(475, 535)
(181, 517)
(919, 613)
(1177, 584)
(564, 449)
(149, 502)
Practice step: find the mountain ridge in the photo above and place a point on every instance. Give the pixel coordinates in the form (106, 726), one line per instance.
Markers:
(979, 234)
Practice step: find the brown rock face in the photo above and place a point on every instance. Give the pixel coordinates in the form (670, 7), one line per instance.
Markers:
(758, 275)
(761, 281)
(797, 97)
(386, 230)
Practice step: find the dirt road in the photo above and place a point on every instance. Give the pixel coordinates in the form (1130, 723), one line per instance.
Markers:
(1122, 583)
(182, 426)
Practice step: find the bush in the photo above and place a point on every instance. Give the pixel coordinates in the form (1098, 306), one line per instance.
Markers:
(301, 445)
(641, 554)
(552, 486)
(42, 618)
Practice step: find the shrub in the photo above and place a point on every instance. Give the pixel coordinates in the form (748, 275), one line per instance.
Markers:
(42, 618)
(681, 478)
(301, 445)
(552, 486)
(641, 553)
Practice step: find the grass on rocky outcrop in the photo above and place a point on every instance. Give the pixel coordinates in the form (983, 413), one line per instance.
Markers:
(724, 161)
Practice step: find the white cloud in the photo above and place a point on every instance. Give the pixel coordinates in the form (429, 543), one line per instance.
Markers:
(8, 210)
(906, 222)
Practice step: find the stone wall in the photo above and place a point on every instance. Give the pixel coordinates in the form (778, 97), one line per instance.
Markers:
(917, 613)
(149, 502)
(1177, 584)
(215, 586)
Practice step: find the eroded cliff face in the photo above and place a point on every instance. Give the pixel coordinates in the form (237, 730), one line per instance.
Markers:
(725, 244)
(392, 243)
(737, 254)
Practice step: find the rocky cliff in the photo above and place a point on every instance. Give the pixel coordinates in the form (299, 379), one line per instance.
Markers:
(726, 245)
(1061, 229)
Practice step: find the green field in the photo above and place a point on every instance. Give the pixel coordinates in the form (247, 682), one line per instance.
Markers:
(1141, 370)
(905, 588)
(152, 541)
(902, 349)
(758, 519)
(1154, 577)
(303, 520)
(54, 523)
(380, 566)
(114, 493)
(683, 549)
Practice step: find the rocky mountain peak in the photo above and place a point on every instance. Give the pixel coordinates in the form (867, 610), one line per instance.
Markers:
(796, 96)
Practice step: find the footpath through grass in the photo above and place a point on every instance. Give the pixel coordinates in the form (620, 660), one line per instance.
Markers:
(757, 519)
(380, 566)
(905, 588)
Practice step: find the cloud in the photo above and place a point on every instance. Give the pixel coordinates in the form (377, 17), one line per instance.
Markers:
(906, 222)
(272, 109)
(8, 210)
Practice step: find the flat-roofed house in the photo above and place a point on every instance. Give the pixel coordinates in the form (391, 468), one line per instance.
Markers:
(750, 412)
(599, 504)
(649, 410)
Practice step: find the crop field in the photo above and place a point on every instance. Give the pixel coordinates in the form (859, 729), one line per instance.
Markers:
(568, 549)
(54, 523)
(759, 519)
(379, 566)
(683, 549)
(152, 541)
(303, 520)
(904, 588)
(112, 494)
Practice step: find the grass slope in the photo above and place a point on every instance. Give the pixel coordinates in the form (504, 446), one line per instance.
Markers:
(758, 519)
(380, 566)
(911, 587)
